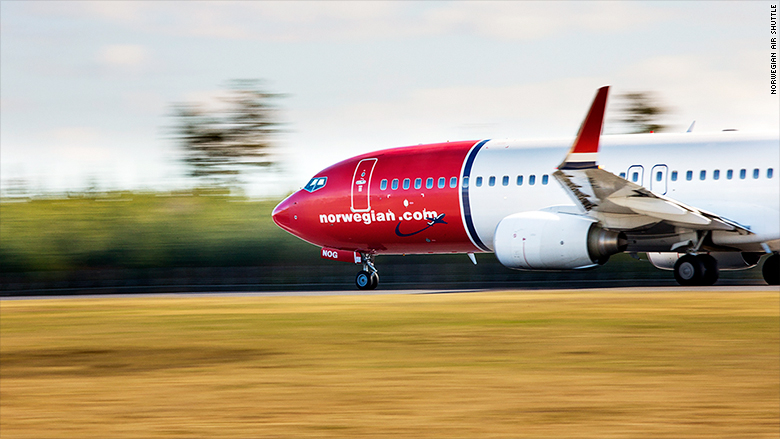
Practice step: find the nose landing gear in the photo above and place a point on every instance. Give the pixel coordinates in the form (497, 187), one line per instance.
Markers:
(368, 278)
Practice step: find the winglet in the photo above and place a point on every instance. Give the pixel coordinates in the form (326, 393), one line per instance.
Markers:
(584, 152)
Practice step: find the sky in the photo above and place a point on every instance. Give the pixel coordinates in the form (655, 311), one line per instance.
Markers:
(86, 88)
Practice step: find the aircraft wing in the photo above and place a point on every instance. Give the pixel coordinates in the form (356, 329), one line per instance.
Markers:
(612, 199)
(616, 202)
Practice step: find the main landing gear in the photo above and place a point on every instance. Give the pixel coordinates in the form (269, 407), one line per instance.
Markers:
(696, 270)
(368, 278)
(771, 269)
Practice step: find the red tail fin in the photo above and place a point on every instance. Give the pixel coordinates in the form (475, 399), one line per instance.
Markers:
(584, 152)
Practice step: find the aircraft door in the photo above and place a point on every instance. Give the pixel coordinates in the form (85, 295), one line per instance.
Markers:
(635, 174)
(361, 182)
(658, 179)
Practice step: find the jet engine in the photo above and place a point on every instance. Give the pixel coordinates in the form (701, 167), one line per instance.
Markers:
(726, 260)
(554, 241)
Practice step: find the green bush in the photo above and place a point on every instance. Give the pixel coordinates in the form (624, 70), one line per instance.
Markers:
(134, 230)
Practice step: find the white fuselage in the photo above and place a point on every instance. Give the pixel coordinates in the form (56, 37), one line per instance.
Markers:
(731, 174)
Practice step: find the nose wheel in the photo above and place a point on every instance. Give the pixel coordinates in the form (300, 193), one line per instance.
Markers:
(366, 281)
(368, 277)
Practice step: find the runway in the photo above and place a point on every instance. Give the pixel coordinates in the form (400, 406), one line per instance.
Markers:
(736, 287)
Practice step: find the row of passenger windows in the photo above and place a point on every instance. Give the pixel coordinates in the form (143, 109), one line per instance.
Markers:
(520, 180)
(441, 183)
(659, 175)
(491, 181)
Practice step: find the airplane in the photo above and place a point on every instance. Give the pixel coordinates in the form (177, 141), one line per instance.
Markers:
(694, 203)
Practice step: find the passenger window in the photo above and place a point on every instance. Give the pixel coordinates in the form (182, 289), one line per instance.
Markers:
(466, 181)
(519, 180)
(658, 175)
(689, 175)
(479, 181)
(531, 179)
(545, 179)
(383, 185)
(453, 181)
(406, 183)
(635, 177)
(505, 181)
(492, 181)
(417, 183)
(742, 174)
(716, 174)
(755, 173)
(729, 174)
(702, 175)
(442, 180)
(769, 173)
(674, 175)
(429, 183)
(622, 175)
(394, 184)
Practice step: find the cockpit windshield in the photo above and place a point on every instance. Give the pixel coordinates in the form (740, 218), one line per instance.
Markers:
(316, 183)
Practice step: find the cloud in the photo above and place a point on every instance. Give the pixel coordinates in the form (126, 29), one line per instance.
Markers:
(78, 143)
(524, 21)
(123, 55)
(349, 20)
(144, 102)
(550, 109)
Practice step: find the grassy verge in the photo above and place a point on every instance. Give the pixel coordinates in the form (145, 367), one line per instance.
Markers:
(547, 364)
(135, 230)
(133, 242)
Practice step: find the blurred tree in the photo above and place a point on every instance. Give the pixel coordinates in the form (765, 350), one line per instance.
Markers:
(221, 143)
(15, 188)
(640, 112)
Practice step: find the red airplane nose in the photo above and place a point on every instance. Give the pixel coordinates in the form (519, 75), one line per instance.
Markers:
(282, 215)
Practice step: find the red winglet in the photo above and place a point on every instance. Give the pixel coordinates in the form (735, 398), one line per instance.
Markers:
(583, 153)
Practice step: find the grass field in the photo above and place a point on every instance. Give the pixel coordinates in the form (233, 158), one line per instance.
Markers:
(614, 363)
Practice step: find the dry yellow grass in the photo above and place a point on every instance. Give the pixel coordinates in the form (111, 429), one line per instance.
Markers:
(558, 364)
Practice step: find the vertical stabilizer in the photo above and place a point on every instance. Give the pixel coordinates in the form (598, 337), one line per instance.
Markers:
(584, 152)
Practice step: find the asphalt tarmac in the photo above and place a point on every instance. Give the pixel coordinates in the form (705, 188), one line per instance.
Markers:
(744, 286)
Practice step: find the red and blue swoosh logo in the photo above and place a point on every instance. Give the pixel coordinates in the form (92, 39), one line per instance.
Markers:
(438, 220)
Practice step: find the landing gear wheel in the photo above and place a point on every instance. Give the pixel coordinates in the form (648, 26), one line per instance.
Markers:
(771, 270)
(366, 281)
(689, 270)
(696, 270)
(711, 273)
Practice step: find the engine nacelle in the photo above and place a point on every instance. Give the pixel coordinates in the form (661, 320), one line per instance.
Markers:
(726, 260)
(554, 241)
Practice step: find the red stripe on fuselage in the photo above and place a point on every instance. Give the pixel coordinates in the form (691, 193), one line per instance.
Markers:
(424, 220)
